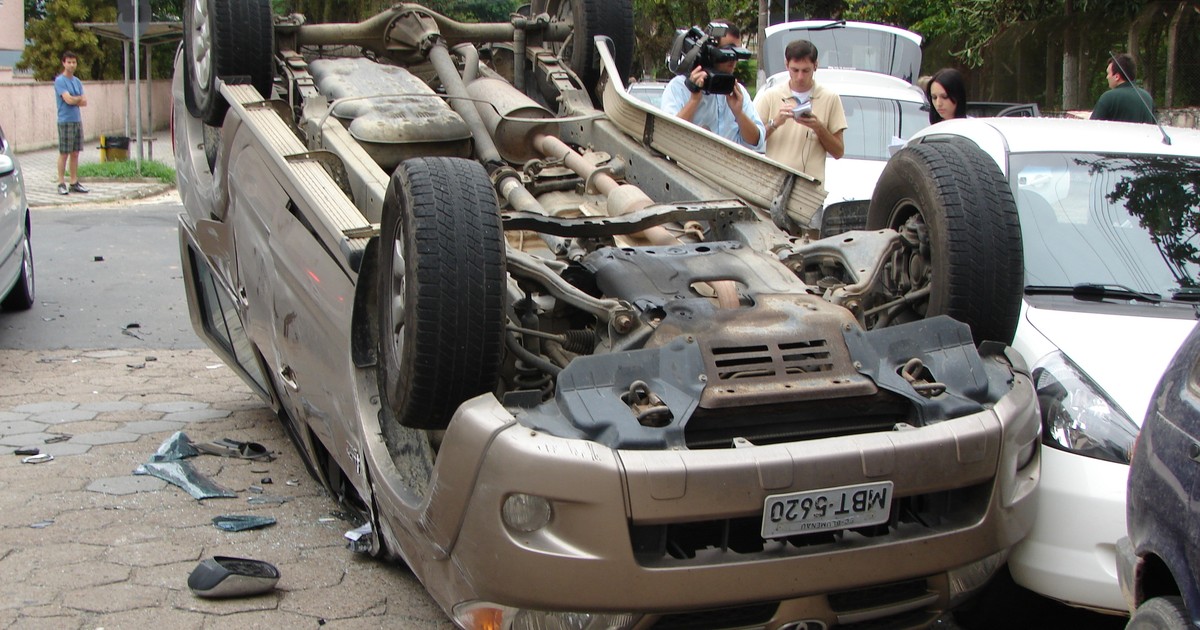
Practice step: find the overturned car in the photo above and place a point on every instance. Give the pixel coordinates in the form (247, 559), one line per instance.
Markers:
(562, 354)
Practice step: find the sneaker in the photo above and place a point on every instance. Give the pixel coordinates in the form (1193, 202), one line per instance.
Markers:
(62, 189)
(79, 188)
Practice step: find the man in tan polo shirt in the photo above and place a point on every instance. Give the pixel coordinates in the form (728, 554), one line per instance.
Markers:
(804, 121)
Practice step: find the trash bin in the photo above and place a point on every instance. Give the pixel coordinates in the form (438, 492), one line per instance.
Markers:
(114, 148)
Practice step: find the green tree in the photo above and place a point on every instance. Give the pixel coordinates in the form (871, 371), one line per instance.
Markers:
(56, 32)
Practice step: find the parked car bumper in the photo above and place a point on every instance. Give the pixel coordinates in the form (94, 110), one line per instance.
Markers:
(1071, 553)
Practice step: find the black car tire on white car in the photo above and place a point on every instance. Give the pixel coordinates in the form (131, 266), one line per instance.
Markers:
(954, 206)
(1160, 613)
(224, 39)
(20, 297)
(440, 288)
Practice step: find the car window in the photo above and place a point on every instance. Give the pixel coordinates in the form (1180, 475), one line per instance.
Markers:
(872, 124)
(648, 92)
(1109, 219)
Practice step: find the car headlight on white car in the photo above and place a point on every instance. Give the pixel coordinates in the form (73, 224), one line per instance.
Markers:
(1077, 415)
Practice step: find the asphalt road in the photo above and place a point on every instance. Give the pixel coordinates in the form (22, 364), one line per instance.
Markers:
(105, 277)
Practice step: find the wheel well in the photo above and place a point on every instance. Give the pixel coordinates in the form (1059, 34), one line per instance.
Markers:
(1156, 579)
(364, 321)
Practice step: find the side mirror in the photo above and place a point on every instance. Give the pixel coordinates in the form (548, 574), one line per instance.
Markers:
(7, 165)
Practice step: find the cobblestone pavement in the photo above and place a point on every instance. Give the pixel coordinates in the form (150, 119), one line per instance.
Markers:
(40, 172)
(85, 543)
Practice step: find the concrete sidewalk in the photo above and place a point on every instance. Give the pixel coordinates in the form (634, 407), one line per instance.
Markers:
(40, 170)
(85, 543)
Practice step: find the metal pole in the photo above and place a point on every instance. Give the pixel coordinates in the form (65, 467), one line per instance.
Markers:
(125, 50)
(137, 78)
(150, 97)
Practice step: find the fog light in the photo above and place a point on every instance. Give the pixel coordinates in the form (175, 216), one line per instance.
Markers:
(969, 578)
(525, 512)
(489, 616)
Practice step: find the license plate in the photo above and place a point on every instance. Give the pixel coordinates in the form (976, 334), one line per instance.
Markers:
(826, 509)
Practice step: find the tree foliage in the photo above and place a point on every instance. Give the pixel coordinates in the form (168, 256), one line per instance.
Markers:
(56, 32)
(973, 24)
(52, 28)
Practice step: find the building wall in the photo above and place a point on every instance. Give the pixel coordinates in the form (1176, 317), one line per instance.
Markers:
(12, 25)
(30, 121)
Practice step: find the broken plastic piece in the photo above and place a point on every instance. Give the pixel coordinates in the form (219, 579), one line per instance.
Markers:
(27, 450)
(184, 475)
(42, 524)
(62, 437)
(223, 576)
(38, 459)
(175, 448)
(360, 539)
(226, 447)
(267, 500)
(238, 522)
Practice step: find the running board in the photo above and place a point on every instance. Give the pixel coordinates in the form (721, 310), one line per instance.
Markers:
(334, 217)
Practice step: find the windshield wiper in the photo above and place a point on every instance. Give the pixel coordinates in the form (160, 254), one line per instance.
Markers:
(1093, 291)
(1186, 294)
(826, 27)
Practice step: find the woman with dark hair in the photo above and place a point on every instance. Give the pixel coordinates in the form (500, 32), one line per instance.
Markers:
(947, 95)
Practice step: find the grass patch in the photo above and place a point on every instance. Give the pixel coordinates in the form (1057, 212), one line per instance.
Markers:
(128, 170)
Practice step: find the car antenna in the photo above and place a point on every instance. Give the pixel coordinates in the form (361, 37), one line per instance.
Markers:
(1166, 138)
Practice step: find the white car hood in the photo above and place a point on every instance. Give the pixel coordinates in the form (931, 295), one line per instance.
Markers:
(1124, 355)
(851, 180)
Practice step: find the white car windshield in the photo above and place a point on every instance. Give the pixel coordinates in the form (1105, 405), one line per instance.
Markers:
(1110, 220)
(875, 123)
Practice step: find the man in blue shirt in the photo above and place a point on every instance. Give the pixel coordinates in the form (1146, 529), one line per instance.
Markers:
(731, 116)
(68, 93)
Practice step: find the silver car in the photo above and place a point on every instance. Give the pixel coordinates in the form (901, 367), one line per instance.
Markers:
(16, 250)
(572, 382)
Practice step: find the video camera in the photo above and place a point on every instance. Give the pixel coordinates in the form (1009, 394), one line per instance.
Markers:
(694, 47)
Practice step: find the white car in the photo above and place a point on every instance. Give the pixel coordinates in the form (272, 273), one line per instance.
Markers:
(871, 66)
(16, 252)
(1112, 284)
(882, 112)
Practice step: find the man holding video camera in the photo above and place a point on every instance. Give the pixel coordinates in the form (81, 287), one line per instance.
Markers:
(804, 120)
(707, 94)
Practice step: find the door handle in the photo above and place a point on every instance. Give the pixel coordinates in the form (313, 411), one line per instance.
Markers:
(288, 376)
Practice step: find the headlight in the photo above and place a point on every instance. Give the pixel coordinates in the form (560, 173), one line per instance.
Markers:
(489, 616)
(1077, 416)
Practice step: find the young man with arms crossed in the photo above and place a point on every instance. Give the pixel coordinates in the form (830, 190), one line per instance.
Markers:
(68, 91)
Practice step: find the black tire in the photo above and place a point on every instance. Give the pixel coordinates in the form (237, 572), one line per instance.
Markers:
(224, 39)
(20, 297)
(589, 18)
(1160, 613)
(955, 205)
(441, 288)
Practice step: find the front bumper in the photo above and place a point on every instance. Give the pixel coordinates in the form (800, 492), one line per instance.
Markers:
(1070, 554)
(591, 555)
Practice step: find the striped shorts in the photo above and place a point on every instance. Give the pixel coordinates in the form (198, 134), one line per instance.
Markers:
(70, 137)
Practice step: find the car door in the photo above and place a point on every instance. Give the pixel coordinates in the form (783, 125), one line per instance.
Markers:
(12, 217)
(1188, 419)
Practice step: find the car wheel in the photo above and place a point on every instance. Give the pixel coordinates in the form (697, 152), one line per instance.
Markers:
(1160, 613)
(955, 210)
(441, 288)
(589, 18)
(20, 298)
(223, 39)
